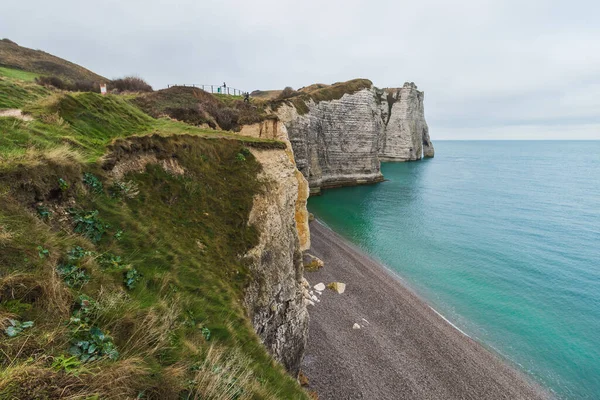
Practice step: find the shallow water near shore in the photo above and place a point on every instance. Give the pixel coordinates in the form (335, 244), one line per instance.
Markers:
(500, 237)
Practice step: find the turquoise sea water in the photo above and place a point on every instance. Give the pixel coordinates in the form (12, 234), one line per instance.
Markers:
(503, 239)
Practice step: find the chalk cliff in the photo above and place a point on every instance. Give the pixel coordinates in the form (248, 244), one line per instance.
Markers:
(335, 136)
(274, 298)
(340, 133)
(405, 135)
(336, 142)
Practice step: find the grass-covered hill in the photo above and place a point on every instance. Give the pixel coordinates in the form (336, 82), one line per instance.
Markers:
(121, 237)
(37, 62)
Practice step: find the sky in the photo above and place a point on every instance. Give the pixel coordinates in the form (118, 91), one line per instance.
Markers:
(490, 69)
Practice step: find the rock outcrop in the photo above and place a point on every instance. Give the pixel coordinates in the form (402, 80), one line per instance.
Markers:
(273, 129)
(340, 141)
(405, 135)
(336, 142)
(274, 298)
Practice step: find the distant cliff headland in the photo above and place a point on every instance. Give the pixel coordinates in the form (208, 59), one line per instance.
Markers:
(339, 133)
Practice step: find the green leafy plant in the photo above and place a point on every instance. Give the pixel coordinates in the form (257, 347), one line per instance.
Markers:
(78, 252)
(89, 342)
(245, 151)
(72, 275)
(93, 344)
(240, 157)
(92, 181)
(17, 327)
(88, 224)
(206, 333)
(43, 212)
(131, 278)
(42, 252)
(109, 260)
(119, 234)
(63, 185)
(85, 309)
(70, 365)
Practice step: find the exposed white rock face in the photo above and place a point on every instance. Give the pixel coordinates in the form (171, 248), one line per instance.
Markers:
(275, 297)
(336, 142)
(341, 142)
(405, 134)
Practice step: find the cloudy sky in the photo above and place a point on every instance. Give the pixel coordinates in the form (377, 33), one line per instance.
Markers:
(490, 69)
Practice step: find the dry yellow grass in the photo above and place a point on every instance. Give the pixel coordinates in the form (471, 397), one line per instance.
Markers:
(6, 235)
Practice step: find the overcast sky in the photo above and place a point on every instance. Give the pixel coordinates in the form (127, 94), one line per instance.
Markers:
(490, 69)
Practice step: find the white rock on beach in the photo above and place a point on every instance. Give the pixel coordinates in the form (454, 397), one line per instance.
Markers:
(319, 293)
(320, 286)
(356, 326)
(309, 302)
(337, 286)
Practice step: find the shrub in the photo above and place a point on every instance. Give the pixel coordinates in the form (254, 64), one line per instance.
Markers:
(287, 93)
(130, 84)
(72, 86)
(227, 118)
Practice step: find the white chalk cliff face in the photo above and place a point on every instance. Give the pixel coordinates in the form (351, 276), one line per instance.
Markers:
(336, 142)
(405, 135)
(341, 142)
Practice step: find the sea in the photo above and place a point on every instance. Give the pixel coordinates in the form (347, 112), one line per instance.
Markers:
(500, 237)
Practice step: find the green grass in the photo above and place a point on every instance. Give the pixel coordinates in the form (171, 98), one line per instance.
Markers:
(183, 233)
(18, 74)
(87, 122)
(39, 62)
(197, 107)
(320, 92)
(14, 94)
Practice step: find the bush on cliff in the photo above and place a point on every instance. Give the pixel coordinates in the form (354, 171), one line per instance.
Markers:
(73, 86)
(130, 84)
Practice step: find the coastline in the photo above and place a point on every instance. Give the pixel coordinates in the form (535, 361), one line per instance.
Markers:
(404, 349)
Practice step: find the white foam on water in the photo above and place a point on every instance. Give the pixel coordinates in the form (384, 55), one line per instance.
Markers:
(454, 326)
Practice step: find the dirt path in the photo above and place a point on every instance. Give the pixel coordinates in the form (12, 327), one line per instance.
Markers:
(15, 113)
(404, 350)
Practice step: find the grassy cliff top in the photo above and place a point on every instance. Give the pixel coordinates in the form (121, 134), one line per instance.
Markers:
(39, 62)
(198, 107)
(320, 92)
(121, 243)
